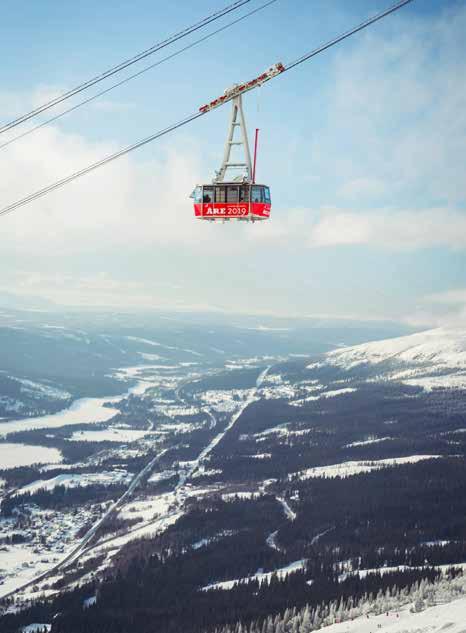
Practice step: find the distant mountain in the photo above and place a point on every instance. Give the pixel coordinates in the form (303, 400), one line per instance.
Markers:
(432, 359)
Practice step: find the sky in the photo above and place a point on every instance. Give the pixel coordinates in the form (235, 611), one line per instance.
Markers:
(363, 148)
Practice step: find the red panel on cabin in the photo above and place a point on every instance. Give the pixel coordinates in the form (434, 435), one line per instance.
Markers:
(210, 210)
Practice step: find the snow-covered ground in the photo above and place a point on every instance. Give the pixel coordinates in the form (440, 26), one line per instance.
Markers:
(165, 474)
(150, 508)
(331, 393)
(281, 431)
(346, 469)
(289, 513)
(449, 381)
(49, 536)
(35, 389)
(277, 388)
(13, 455)
(431, 360)
(148, 530)
(259, 576)
(369, 440)
(442, 347)
(362, 573)
(112, 434)
(450, 617)
(79, 480)
(224, 400)
(36, 627)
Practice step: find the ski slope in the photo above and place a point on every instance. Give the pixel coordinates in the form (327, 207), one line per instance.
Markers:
(260, 576)
(445, 618)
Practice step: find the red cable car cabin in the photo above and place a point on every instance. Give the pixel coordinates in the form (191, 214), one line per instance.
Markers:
(232, 200)
(233, 194)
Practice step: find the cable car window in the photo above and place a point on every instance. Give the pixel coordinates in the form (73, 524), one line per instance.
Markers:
(197, 195)
(233, 195)
(207, 194)
(257, 194)
(220, 194)
(244, 193)
(267, 195)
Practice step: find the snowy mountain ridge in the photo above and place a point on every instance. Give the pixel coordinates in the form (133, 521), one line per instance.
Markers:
(442, 347)
(431, 359)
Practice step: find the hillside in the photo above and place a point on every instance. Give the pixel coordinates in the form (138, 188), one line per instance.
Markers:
(436, 358)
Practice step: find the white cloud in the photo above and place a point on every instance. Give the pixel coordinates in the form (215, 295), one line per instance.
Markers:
(15, 104)
(129, 203)
(358, 187)
(408, 230)
(389, 152)
(395, 118)
(449, 297)
(447, 308)
(98, 289)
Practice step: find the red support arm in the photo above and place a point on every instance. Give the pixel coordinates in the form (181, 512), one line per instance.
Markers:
(255, 155)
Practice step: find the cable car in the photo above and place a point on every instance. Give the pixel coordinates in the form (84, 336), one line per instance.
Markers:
(231, 200)
(234, 194)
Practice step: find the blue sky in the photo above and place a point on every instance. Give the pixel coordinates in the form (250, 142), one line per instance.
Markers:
(363, 148)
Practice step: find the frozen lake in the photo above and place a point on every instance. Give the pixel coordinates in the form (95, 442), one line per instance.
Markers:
(82, 411)
(13, 455)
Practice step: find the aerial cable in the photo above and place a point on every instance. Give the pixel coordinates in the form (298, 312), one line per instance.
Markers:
(108, 159)
(340, 38)
(139, 73)
(231, 94)
(116, 69)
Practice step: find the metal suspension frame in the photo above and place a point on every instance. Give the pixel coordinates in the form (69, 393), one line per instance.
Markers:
(237, 120)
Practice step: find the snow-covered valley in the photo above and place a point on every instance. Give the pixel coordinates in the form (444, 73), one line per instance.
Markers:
(255, 470)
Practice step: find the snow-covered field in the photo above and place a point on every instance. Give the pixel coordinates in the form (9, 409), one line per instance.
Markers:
(346, 469)
(331, 393)
(13, 455)
(146, 530)
(165, 474)
(149, 508)
(35, 389)
(112, 434)
(362, 573)
(449, 381)
(369, 440)
(259, 576)
(81, 480)
(450, 617)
